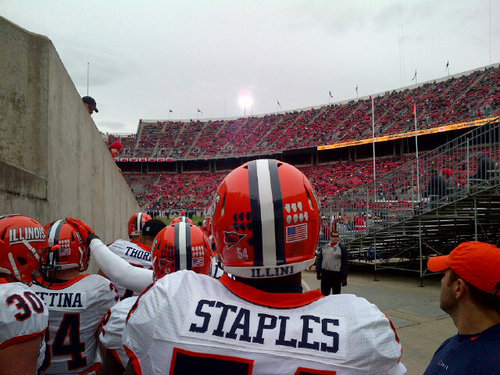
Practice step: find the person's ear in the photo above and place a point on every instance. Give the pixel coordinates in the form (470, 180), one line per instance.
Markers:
(459, 288)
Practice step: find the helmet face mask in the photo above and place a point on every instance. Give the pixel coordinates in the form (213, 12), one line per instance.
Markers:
(136, 222)
(266, 220)
(22, 243)
(180, 246)
(67, 249)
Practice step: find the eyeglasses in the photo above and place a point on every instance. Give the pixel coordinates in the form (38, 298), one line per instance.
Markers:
(337, 236)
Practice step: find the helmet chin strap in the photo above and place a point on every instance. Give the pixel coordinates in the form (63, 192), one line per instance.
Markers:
(17, 274)
(32, 249)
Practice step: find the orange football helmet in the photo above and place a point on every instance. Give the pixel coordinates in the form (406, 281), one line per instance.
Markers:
(136, 222)
(180, 246)
(67, 248)
(22, 244)
(182, 219)
(266, 220)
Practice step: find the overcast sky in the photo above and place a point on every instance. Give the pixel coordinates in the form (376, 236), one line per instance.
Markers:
(151, 56)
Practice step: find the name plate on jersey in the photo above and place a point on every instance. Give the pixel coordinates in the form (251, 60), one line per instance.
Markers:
(63, 300)
(261, 329)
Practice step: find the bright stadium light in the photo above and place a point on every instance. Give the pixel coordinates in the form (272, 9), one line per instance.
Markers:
(245, 99)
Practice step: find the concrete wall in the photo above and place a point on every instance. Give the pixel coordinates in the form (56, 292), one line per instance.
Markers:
(53, 161)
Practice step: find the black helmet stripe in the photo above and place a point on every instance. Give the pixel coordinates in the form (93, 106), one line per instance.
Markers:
(189, 252)
(279, 232)
(255, 206)
(138, 222)
(267, 206)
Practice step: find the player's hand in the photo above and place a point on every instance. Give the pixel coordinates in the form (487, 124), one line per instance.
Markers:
(86, 232)
(344, 282)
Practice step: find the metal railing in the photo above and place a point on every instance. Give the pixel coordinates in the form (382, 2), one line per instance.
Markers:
(463, 166)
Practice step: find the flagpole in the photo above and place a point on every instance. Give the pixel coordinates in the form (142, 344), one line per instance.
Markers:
(88, 72)
(373, 143)
(416, 151)
(357, 97)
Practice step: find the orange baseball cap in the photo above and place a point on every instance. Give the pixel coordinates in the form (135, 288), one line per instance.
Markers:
(478, 263)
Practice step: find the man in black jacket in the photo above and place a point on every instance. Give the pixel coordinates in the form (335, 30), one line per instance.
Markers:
(331, 265)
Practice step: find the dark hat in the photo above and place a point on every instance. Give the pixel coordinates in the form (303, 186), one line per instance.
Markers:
(91, 102)
(152, 227)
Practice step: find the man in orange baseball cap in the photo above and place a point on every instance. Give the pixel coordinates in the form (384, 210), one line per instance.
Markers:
(470, 294)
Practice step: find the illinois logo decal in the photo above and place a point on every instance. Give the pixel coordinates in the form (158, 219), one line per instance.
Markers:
(232, 238)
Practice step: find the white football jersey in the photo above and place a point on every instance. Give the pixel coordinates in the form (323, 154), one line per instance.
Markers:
(22, 315)
(76, 308)
(137, 254)
(191, 323)
(216, 271)
(112, 326)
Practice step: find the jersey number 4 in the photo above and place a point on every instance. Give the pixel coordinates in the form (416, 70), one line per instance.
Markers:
(67, 342)
(187, 362)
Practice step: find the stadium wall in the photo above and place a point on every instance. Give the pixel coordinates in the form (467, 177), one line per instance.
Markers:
(53, 161)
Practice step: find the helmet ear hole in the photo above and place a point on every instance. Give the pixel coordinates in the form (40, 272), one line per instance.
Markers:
(22, 261)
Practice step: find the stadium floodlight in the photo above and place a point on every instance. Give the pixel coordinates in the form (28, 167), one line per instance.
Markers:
(245, 99)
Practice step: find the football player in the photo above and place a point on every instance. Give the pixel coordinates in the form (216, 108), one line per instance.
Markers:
(23, 316)
(177, 247)
(266, 225)
(118, 270)
(76, 302)
(137, 251)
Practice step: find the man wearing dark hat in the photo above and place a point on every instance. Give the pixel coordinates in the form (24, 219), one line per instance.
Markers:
(470, 294)
(90, 104)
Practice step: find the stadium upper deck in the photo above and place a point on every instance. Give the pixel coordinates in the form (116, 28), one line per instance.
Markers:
(459, 98)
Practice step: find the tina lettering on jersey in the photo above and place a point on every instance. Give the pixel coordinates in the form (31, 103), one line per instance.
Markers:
(290, 330)
(63, 300)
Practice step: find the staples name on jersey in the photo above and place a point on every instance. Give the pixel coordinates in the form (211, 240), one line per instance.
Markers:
(267, 330)
(30, 234)
(139, 254)
(64, 300)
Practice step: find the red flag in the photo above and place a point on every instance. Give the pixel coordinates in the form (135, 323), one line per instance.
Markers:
(199, 110)
(414, 109)
(330, 93)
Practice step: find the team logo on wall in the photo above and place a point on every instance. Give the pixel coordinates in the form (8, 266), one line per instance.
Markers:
(233, 238)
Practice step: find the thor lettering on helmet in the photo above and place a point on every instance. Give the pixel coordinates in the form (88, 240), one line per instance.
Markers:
(30, 234)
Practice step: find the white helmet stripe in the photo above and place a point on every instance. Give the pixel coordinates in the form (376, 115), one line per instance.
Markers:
(182, 245)
(54, 230)
(138, 223)
(266, 212)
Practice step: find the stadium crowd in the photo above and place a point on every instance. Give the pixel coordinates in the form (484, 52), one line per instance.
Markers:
(457, 99)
